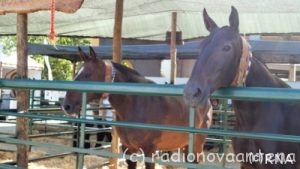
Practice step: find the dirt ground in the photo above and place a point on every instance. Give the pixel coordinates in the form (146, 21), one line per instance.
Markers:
(63, 162)
(69, 161)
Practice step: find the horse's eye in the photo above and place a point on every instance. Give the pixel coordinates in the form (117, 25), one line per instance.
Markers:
(226, 48)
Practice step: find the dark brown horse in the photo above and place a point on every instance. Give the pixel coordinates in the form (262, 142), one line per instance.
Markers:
(224, 61)
(143, 109)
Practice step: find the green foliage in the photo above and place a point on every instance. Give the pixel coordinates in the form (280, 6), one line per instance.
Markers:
(9, 44)
(61, 69)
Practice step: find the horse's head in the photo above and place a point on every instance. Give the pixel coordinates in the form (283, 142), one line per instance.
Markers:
(218, 60)
(93, 69)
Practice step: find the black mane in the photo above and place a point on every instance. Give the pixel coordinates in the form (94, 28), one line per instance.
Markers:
(131, 74)
(260, 76)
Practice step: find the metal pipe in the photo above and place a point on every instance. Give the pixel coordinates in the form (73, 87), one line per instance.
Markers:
(191, 135)
(265, 136)
(247, 93)
(39, 158)
(105, 153)
(80, 156)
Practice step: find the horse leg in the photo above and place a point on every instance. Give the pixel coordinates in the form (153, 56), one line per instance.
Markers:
(108, 136)
(76, 139)
(128, 151)
(149, 165)
(199, 141)
(100, 136)
(87, 137)
(148, 152)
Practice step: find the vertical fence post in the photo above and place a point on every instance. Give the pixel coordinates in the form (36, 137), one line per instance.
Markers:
(117, 57)
(80, 157)
(191, 135)
(173, 49)
(22, 94)
(117, 39)
(225, 127)
(292, 72)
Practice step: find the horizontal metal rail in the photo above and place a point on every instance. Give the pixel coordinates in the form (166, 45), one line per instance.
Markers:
(249, 93)
(266, 136)
(5, 166)
(38, 158)
(103, 153)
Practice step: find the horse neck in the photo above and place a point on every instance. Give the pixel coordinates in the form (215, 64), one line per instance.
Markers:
(117, 100)
(121, 102)
(248, 113)
(260, 76)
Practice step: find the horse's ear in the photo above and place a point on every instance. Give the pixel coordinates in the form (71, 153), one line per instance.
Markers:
(234, 19)
(209, 23)
(92, 53)
(82, 54)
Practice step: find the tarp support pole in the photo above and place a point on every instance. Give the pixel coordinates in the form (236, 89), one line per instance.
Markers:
(22, 94)
(117, 37)
(292, 73)
(173, 50)
(117, 57)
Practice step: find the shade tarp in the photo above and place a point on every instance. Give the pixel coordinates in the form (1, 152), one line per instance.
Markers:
(150, 19)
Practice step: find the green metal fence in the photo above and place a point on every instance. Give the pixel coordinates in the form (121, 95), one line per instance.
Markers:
(257, 94)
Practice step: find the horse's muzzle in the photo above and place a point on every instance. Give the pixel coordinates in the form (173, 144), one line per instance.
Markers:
(71, 111)
(195, 96)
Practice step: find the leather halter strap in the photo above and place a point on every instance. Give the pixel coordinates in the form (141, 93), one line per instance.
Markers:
(110, 72)
(244, 66)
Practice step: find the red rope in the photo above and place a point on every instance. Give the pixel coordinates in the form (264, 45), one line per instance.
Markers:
(52, 26)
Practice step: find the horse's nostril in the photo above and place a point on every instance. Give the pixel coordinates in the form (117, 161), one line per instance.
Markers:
(67, 107)
(197, 93)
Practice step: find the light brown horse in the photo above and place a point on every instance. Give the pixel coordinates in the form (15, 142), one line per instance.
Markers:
(142, 109)
(225, 60)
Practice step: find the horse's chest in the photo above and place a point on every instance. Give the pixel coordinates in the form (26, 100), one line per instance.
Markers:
(259, 116)
(137, 138)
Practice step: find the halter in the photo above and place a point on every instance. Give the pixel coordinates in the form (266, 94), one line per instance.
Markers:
(244, 66)
(110, 72)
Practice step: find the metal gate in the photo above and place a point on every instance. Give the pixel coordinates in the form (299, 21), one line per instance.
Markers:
(257, 94)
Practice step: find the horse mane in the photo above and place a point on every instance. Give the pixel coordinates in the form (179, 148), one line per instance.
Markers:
(274, 79)
(131, 74)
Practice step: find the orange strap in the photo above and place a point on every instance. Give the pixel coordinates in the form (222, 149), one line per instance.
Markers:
(52, 22)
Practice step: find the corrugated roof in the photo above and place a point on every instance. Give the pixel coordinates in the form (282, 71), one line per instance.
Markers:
(150, 19)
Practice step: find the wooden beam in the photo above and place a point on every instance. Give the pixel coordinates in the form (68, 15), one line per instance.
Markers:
(117, 39)
(25, 6)
(117, 57)
(292, 73)
(173, 49)
(22, 94)
(270, 57)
